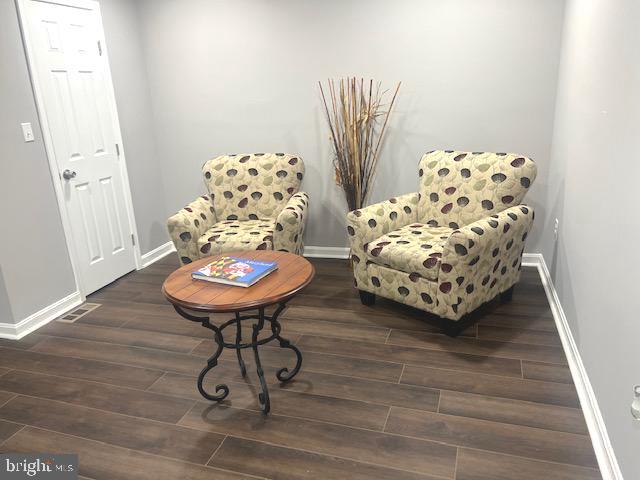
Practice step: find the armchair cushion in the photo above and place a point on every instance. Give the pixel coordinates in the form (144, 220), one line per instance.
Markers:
(230, 235)
(415, 249)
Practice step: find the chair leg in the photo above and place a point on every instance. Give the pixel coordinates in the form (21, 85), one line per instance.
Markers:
(452, 328)
(367, 298)
(507, 295)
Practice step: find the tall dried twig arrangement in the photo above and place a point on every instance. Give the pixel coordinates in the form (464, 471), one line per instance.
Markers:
(357, 119)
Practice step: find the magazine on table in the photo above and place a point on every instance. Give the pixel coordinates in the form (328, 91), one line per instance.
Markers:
(239, 272)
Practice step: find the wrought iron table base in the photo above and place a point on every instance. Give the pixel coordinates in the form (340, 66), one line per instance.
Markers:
(284, 375)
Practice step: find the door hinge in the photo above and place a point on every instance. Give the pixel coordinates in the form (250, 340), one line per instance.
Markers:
(117, 149)
(133, 240)
(99, 48)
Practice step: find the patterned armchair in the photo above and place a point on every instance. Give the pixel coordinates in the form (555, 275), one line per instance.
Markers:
(453, 246)
(254, 203)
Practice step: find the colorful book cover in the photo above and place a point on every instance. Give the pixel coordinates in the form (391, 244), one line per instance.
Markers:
(235, 271)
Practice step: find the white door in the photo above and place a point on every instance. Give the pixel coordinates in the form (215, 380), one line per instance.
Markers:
(73, 85)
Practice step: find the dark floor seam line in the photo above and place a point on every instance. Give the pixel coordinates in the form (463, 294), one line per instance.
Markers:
(463, 352)
(22, 427)
(463, 417)
(159, 349)
(100, 410)
(155, 381)
(7, 401)
(531, 459)
(216, 450)
(331, 455)
(143, 390)
(306, 349)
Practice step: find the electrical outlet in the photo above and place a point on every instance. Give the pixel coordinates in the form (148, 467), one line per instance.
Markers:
(556, 228)
(635, 406)
(27, 132)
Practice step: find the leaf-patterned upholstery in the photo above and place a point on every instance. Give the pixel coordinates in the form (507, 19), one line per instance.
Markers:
(252, 186)
(254, 202)
(454, 245)
(458, 188)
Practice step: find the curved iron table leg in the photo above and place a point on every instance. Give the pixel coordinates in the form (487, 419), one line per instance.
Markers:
(263, 396)
(243, 368)
(283, 374)
(212, 361)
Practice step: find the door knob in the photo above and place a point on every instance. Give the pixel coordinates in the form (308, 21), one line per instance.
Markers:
(68, 174)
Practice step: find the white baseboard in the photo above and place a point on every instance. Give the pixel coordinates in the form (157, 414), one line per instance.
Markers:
(309, 251)
(607, 461)
(157, 253)
(36, 320)
(532, 260)
(312, 251)
(33, 322)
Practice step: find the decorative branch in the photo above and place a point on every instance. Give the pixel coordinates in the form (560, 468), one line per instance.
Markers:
(357, 123)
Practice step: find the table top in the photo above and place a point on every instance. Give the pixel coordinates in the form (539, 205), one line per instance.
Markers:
(293, 274)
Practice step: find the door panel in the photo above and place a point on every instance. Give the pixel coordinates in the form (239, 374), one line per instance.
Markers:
(66, 116)
(113, 220)
(74, 84)
(94, 121)
(89, 223)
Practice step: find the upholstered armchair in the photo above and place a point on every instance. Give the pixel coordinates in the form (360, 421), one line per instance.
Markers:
(254, 203)
(452, 246)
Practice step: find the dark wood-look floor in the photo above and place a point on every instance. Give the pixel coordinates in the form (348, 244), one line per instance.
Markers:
(381, 395)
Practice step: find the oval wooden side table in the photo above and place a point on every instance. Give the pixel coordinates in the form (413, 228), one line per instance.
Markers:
(187, 295)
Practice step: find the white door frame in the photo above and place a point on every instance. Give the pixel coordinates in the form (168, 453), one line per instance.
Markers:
(48, 141)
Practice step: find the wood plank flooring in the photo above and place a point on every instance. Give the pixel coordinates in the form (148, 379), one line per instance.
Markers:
(382, 394)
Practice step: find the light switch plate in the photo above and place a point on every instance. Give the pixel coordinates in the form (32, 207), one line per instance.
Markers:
(27, 132)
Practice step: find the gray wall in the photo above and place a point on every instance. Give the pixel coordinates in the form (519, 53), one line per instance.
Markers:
(593, 190)
(34, 261)
(32, 244)
(128, 69)
(241, 75)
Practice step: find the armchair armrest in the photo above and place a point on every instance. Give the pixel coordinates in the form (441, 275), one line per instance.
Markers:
(369, 223)
(189, 224)
(481, 260)
(290, 224)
